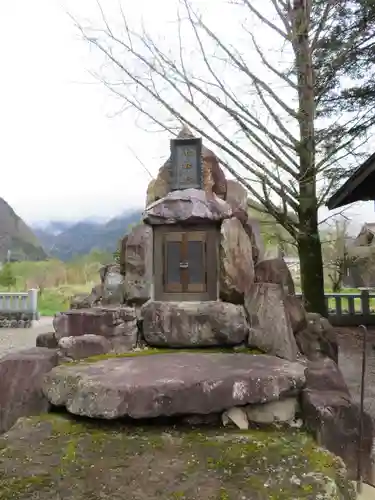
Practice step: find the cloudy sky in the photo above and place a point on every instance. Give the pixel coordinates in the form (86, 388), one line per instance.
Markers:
(63, 153)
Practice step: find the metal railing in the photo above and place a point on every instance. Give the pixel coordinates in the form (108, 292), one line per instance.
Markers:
(20, 302)
(351, 309)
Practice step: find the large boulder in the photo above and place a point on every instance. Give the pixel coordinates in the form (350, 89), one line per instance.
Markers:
(47, 339)
(112, 285)
(184, 324)
(270, 327)
(275, 271)
(236, 261)
(86, 301)
(250, 228)
(257, 237)
(83, 346)
(21, 376)
(275, 412)
(138, 265)
(318, 339)
(187, 206)
(110, 276)
(237, 195)
(105, 321)
(171, 384)
(329, 412)
(296, 312)
(122, 254)
(57, 457)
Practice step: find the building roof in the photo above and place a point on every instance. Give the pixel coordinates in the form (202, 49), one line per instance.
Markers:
(359, 187)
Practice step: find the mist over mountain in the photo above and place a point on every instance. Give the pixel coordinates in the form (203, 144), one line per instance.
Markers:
(67, 239)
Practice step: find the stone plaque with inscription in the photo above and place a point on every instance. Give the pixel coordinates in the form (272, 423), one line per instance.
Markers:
(186, 164)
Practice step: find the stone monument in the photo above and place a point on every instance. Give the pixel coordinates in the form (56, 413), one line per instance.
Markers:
(192, 276)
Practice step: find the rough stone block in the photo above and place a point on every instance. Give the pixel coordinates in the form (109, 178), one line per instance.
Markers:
(184, 324)
(21, 376)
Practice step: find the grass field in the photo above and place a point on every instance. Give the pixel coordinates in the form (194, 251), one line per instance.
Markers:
(53, 300)
(59, 281)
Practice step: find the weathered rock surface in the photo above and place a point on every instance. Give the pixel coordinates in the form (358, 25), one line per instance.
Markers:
(296, 313)
(47, 340)
(138, 265)
(86, 301)
(237, 416)
(275, 271)
(110, 276)
(184, 324)
(283, 411)
(257, 237)
(61, 458)
(21, 376)
(236, 262)
(270, 328)
(187, 206)
(83, 346)
(237, 195)
(105, 321)
(170, 384)
(329, 411)
(318, 339)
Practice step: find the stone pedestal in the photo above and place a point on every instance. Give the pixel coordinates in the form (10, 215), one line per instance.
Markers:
(187, 324)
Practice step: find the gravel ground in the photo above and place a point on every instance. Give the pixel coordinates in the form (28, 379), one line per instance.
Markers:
(350, 362)
(12, 339)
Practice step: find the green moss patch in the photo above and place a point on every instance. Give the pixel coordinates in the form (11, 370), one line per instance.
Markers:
(54, 456)
(154, 351)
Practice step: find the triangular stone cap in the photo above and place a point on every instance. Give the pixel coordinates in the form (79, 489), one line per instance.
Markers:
(185, 133)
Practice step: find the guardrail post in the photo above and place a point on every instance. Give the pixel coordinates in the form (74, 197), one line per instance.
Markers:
(33, 302)
(365, 302)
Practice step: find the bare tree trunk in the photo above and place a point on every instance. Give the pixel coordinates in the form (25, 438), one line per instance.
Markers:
(308, 240)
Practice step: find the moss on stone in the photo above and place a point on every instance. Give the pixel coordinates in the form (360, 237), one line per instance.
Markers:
(52, 455)
(13, 488)
(153, 351)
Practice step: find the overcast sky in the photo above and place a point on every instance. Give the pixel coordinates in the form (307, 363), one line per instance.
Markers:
(62, 153)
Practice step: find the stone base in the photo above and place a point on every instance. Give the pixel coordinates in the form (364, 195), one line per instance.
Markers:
(330, 412)
(21, 375)
(105, 321)
(194, 324)
(154, 385)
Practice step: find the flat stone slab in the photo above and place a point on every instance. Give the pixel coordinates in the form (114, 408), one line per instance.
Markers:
(170, 384)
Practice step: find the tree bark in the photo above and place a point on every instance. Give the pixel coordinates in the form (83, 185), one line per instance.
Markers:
(311, 266)
(309, 246)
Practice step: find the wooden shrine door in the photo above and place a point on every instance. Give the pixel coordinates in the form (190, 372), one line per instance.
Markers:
(185, 263)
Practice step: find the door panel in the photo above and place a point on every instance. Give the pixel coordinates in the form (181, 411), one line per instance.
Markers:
(172, 259)
(196, 257)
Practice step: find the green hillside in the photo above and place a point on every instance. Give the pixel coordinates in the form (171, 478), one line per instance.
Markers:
(17, 237)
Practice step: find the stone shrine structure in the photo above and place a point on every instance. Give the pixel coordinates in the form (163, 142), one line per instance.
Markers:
(192, 276)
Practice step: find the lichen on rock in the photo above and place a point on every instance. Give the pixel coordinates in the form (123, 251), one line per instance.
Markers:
(53, 456)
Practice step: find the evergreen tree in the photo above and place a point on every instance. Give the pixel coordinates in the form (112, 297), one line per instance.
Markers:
(7, 278)
(344, 63)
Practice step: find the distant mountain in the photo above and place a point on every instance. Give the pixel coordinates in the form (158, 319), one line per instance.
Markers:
(66, 240)
(16, 239)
